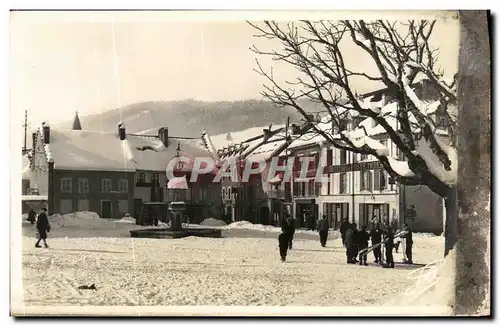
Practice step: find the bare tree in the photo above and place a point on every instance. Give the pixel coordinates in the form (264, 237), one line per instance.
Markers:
(400, 51)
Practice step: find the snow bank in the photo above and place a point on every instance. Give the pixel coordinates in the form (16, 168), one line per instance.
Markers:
(434, 286)
(213, 222)
(269, 228)
(77, 219)
(127, 219)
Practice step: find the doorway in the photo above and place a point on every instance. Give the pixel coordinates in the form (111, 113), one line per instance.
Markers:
(106, 208)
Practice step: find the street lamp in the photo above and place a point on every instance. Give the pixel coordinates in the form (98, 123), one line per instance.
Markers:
(178, 165)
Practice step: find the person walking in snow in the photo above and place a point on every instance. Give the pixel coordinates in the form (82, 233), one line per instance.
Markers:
(355, 248)
(362, 239)
(376, 237)
(32, 216)
(283, 239)
(42, 226)
(288, 227)
(344, 226)
(323, 227)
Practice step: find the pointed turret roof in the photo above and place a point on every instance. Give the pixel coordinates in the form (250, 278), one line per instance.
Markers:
(76, 123)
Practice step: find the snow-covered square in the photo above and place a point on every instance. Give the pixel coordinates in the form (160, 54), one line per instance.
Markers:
(243, 268)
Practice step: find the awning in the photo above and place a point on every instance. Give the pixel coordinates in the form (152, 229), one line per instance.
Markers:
(177, 183)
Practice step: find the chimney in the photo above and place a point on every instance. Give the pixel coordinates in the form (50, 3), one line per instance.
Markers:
(267, 134)
(163, 135)
(122, 130)
(46, 132)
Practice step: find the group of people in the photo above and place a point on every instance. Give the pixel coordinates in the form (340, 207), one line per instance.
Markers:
(356, 241)
(42, 226)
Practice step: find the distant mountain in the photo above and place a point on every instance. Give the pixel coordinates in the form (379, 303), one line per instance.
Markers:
(189, 117)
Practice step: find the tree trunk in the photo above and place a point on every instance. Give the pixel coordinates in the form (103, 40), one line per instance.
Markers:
(451, 220)
(473, 260)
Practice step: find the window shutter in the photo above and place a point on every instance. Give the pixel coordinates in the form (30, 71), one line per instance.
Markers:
(376, 180)
(370, 180)
(361, 213)
(382, 180)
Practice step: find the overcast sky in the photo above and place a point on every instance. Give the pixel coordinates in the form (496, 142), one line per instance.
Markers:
(62, 65)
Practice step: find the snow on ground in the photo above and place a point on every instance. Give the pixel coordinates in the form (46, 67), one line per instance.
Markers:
(269, 228)
(207, 271)
(212, 222)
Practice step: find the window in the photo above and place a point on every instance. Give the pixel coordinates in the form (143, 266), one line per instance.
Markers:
(364, 157)
(343, 156)
(155, 178)
(106, 185)
(379, 182)
(223, 193)
(329, 157)
(366, 180)
(229, 196)
(83, 186)
(123, 206)
(83, 205)
(122, 185)
(66, 206)
(26, 186)
(342, 183)
(66, 185)
(147, 177)
(141, 177)
(195, 193)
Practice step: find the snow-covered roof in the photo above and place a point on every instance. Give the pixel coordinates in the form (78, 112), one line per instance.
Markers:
(220, 141)
(150, 154)
(88, 150)
(272, 147)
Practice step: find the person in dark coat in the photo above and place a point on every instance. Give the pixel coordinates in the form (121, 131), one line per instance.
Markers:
(408, 244)
(288, 227)
(343, 229)
(376, 237)
(323, 227)
(389, 246)
(32, 216)
(362, 243)
(283, 239)
(349, 244)
(355, 248)
(42, 226)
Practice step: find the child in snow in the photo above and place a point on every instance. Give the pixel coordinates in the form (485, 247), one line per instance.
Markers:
(283, 239)
(42, 226)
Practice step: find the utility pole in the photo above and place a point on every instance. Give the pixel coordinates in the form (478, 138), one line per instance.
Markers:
(25, 126)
